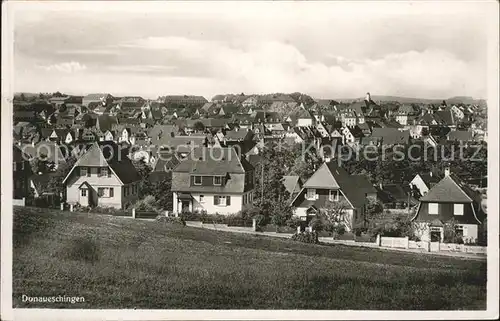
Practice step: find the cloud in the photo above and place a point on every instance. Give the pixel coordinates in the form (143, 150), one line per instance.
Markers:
(269, 66)
(66, 67)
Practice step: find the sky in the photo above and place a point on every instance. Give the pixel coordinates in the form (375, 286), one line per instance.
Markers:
(325, 49)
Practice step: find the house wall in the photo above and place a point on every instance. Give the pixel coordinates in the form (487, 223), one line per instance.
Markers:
(446, 213)
(208, 203)
(470, 232)
(75, 180)
(304, 122)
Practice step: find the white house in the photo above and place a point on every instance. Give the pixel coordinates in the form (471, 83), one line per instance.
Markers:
(215, 180)
(103, 176)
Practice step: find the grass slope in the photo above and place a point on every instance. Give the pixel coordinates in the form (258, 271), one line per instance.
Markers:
(140, 264)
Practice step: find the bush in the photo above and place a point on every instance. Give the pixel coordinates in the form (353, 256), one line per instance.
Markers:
(359, 230)
(306, 237)
(83, 248)
(148, 203)
(317, 224)
(170, 220)
(294, 222)
(105, 210)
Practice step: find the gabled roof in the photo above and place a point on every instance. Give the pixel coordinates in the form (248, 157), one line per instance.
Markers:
(214, 161)
(449, 189)
(323, 178)
(109, 154)
(238, 135)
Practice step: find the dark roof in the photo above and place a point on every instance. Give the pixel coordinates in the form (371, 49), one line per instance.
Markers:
(391, 136)
(238, 134)
(392, 193)
(450, 189)
(445, 117)
(216, 161)
(166, 162)
(109, 154)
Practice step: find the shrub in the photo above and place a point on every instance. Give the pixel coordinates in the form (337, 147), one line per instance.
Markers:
(317, 224)
(260, 220)
(306, 237)
(148, 203)
(359, 230)
(82, 248)
(294, 222)
(170, 220)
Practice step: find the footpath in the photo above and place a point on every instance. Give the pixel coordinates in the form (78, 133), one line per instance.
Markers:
(328, 240)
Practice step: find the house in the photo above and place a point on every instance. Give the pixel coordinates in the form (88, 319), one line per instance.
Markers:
(97, 99)
(103, 176)
(184, 100)
(331, 183)
(250, 101)
(215, 180)
(21, 173)
(423, 182)
(458, 113)
(450, 199)
(395, 195)
(348, 118)
(305, 118)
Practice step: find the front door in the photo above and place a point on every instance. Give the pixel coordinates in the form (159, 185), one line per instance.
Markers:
(84, 197)
(185, 206)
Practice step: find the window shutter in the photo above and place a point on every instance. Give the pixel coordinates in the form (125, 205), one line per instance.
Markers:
(228, 200)
(111, 192)
(216, 200)
(109, 172)
(88, 171)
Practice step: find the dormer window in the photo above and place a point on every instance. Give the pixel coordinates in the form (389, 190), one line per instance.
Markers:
(197, 180)
(217, 180)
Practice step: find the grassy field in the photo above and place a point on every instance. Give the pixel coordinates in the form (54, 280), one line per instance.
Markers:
(117, 262)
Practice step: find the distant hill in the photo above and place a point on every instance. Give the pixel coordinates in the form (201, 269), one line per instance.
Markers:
(410, 100)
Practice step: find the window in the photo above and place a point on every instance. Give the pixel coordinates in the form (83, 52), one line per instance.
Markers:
(83, 171)
(84, 192)
(111, 192)
(458, 209)
(197, 180)
(100, 191)
(104, 171)
(311, 194)
(217, 180)
(334, 195)
(459, 230)
(222, 200)
(202, 198)
(433, 208)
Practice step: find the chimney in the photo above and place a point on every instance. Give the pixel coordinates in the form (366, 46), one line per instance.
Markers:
(447, 171)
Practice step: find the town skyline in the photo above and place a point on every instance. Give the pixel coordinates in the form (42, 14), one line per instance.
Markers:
(221, 49)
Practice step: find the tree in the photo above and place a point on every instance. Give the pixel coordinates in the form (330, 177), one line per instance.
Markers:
(163, 193)
(55, 183)
(337, 213)
(373, 208)
(40, 165)
(145, 186)
(199, 126)
(305, 163)
(281, 212)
